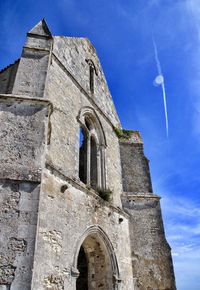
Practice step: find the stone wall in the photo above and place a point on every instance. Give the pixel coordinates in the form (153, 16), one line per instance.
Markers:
(63, 150)
(31, 74)
(18, 220)
(151, 254)
(22, 132)
(7, 78)
(73, 54)
(66, 212)
(135, 166)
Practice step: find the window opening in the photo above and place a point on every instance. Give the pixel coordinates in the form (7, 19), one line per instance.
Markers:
(91, 151)
(87, 123)
(91, 79)
(92, 71)
(83, 156)
(93, 163)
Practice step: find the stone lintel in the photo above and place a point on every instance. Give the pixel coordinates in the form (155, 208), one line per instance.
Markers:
(25, 98)
(29, 34)
(36, 49)
(140, 195)
(139, 201)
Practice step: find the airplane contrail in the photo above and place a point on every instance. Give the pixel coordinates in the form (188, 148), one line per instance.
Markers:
(159, 80)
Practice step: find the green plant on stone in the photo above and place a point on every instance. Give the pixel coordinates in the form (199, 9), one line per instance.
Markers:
(122, 133)
(105, 194)
(118, 132)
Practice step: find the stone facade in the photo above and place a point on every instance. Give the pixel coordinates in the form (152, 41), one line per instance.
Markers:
(77, 206)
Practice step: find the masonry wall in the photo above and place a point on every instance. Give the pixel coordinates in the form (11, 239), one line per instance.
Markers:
(73, 54)
(18, 220)
(151, 254)
(64, 216)
(23, 130)
(68, 99)
(22, 124)
(135, 168)
(7, 78)
(31, 74)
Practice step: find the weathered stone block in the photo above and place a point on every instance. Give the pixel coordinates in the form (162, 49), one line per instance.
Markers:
(22, 139)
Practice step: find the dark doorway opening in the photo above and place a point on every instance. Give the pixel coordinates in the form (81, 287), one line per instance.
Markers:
(94, 265)
(82, 281)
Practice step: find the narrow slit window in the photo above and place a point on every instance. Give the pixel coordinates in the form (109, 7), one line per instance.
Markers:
(92, 72)
(91, 79)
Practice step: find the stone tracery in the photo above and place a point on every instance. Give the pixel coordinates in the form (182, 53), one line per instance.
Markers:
(92, 149)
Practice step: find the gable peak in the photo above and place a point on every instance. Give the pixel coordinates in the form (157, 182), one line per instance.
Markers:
(41, 28)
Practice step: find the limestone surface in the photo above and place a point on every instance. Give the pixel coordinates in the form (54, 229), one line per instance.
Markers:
(77, 208)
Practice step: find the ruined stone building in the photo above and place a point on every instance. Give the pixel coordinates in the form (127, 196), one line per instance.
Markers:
(77, 210)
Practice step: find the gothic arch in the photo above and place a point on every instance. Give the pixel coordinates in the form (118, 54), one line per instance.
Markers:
(93, 149)
(105, 253)
(92, 73)
(91, 63)
(88, 112)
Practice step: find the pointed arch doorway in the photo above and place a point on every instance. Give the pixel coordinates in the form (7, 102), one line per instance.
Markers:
(96, 263)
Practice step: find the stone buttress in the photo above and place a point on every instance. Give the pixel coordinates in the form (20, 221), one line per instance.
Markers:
(151, 254)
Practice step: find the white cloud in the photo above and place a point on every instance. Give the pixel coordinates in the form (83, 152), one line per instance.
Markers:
(181, 206)
(182, 216)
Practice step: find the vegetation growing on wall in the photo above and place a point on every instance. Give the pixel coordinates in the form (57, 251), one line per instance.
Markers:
(122, 133)
(105, 194)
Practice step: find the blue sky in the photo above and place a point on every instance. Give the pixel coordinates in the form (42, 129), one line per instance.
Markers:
(121, 31)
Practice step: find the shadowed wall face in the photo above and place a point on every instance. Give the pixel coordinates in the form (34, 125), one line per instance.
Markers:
(22, 126)
(135, 168)
(7, 78)
(18, 220)
(23, 130)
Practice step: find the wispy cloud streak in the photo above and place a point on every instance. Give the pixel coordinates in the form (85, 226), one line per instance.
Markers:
(160, 81)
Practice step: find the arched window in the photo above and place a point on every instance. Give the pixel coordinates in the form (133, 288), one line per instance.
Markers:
(91, 150)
